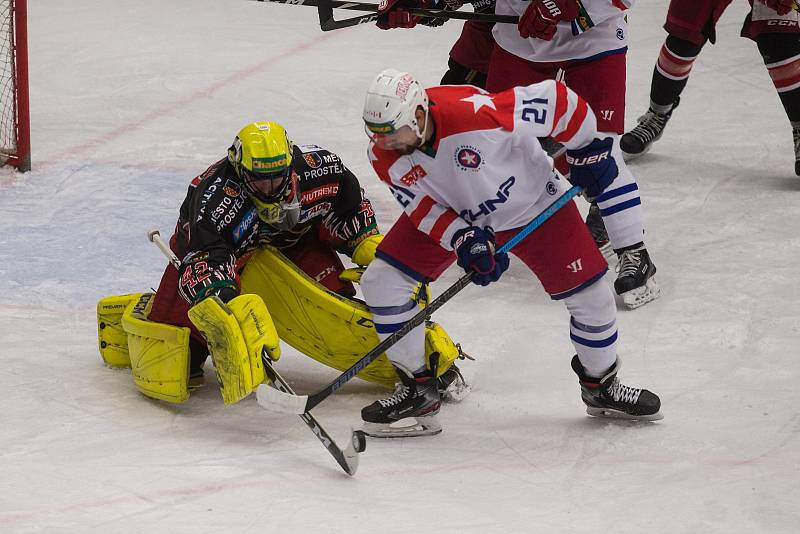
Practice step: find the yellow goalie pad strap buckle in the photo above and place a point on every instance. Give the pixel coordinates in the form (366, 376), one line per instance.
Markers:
(236, 334)
(159, 353)
(112, 339)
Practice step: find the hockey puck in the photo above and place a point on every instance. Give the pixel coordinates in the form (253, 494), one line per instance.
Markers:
(359, 441)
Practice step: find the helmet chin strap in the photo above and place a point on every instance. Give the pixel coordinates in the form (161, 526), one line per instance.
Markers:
(424, 133)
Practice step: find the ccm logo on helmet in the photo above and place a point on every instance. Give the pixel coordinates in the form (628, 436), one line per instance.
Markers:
(590, 160)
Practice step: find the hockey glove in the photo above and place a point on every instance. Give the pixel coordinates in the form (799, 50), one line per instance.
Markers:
(476, 254)
(395, 14)
(593, 167)
(542, 17)
(782, 7)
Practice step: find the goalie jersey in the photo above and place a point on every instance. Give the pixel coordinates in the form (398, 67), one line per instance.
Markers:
(218, 226)
(485, 166)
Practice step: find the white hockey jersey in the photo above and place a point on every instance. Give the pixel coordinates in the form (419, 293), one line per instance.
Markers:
(486, 166)
(600, 29)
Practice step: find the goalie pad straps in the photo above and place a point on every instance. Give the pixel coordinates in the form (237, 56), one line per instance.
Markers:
(236, 332)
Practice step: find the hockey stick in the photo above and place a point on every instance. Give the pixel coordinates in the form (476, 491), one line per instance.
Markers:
(347, 458)
(327, 21)
(273, 399)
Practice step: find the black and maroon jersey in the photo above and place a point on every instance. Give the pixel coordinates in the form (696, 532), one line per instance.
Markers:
(219, 226)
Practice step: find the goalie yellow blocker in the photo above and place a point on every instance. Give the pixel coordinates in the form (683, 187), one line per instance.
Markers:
(321, 324)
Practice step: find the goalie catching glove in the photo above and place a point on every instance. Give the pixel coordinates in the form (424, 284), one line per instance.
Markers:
(236, 333)
(476, 254)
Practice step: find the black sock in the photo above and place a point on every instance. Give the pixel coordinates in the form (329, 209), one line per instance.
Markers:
(671, 72)
(781, 54)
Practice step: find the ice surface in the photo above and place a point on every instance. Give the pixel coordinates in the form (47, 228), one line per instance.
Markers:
(131, 100)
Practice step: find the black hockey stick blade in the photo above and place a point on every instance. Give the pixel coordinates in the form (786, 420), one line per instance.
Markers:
(347, 458)
(299, 404)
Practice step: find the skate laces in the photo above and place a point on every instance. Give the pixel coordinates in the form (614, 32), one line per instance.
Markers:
(629, 262)
(400, 393)
(650, 126)
(619, 392)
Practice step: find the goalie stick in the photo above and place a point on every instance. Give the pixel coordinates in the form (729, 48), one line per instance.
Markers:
(327, 21)
(276, 400)
(347, 458)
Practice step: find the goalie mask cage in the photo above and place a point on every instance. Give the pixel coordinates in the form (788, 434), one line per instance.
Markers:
(14, 113)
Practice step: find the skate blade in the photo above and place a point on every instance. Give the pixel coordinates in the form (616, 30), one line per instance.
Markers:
(642, 295)
(404, 428)
(627, 156)
(609, 413)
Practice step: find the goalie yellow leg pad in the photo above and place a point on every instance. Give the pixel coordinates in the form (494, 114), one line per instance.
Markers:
(159, 353)
(112, 339)
(236, 333)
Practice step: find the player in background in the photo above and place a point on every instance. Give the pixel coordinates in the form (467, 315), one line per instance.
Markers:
(585, 43)
(301, 199)
(772, 24)
(468, 62)
(468, 170)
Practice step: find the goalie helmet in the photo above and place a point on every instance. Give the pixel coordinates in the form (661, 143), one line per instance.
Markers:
(261, 155)
(392, 101)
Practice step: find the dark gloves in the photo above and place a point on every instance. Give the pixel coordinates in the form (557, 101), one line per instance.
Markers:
(476, 254)
(593, 167)
(542, 17)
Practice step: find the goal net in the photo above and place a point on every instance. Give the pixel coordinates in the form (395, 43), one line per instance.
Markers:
(14, 114)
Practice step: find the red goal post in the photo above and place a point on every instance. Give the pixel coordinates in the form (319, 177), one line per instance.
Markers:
(15, 144)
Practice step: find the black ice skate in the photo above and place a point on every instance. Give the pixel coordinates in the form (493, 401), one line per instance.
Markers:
(598, 230)
(636, 282)
(410, 411)
(796, 133)
(648, 131)
(608, 397)
(452, 386)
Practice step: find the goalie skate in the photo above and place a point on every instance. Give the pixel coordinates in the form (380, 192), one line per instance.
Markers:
(452, 385)
(596, 226)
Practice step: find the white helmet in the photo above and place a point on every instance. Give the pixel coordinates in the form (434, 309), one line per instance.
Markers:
(392, 101)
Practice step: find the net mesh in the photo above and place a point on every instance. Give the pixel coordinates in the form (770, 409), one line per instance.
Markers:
(8, 110)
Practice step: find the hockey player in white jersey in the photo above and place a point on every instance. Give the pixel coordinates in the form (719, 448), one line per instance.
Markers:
(468, 170)
(584, 42)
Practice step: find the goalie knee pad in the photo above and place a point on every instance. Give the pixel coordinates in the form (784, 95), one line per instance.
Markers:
(236, 334)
